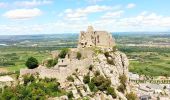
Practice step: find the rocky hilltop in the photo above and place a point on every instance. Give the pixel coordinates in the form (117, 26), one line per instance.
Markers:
(95, 69)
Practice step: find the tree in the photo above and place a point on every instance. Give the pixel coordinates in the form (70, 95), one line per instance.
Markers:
(31, 63)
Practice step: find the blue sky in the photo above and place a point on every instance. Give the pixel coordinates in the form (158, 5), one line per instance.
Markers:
(72, 16)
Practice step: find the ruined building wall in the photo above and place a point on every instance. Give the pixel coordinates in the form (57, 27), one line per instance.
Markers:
(95, 38)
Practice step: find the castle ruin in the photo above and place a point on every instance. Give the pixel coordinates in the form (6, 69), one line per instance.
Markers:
(92, 38)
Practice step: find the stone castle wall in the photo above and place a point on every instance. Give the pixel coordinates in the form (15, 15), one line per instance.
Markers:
(95, 38)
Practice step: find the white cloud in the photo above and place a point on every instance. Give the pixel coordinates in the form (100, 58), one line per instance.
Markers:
(82, 13)
(22, 13)
(144, 21)
(115, 14)
(131, 5)
(32, 3)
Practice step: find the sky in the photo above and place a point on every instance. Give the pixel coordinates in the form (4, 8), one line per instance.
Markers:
(24, 17)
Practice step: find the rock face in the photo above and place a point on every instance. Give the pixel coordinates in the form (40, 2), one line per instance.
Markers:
(112, 71)
(95, 38)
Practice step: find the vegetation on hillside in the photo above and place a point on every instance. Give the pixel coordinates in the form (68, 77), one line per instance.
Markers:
(98, 82)
(33, 89)
(63, 53)
(123, 81)
(79, 55)
(51, 62)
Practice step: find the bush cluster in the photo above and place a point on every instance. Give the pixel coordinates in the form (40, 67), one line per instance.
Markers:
(33, 90)
(70, 78)
(99, 83)
(86, 79)
(63, 53)
(122, 86)
(111, 91)
(131, 96)
(79, 55)
(51, 62)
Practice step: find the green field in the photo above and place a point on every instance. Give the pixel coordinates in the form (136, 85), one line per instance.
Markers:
(152, 61)
(14, 58)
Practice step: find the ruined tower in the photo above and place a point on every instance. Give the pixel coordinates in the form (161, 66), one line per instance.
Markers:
(92, 38)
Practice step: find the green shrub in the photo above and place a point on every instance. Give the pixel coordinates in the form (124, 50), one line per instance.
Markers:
(78, 55)
(131, 96)
(70, 95)
(111, 91)
(40, 90)
(123, 79)
(97, 73)
(92, 87)
(51, 62)
(101, 82)
(49, 79)
(63, 53)
(86, 79)
(70, 78)
(121, 88)
(31, 63)
(28, 78)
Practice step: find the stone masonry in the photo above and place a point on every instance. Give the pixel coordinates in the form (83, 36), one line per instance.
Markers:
(95, 38)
